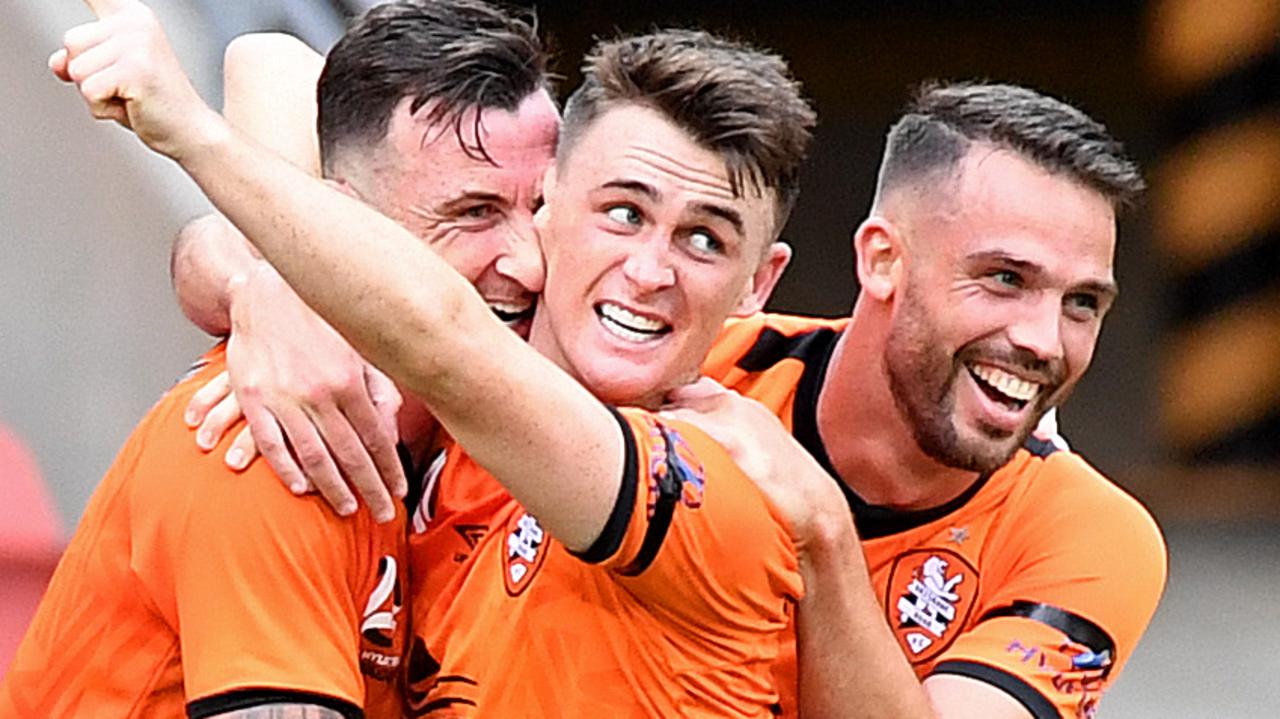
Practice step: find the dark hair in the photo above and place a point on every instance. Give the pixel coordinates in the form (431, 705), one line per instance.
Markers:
(943, 120)
(458, 54)
(733, 99)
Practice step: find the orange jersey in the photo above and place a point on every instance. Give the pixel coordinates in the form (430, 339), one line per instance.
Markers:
(680, 609)
(1039, 579)
(189, 590)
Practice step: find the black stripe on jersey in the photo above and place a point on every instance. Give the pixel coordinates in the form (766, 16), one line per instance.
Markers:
(1077, 628)
(771, 347)
(1014, 686)
(250, 698)
(670, 488)
(615, 528)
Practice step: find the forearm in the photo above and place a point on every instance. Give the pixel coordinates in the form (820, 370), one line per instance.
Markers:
(850, 664)
(207, 253)
(409, 313)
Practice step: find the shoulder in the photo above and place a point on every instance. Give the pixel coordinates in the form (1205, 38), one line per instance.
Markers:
(762, 340)
(1066, 501)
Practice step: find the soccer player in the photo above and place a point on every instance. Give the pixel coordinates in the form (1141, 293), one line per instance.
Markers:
(185, 586)
(1015, 579)
(675, 172)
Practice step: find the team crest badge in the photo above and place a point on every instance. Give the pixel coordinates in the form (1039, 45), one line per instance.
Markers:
(929, 598)
(526, 550)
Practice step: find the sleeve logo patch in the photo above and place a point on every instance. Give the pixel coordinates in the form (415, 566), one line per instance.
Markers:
(381, 632)
(929, 599)
(525, 552)
(671, 459)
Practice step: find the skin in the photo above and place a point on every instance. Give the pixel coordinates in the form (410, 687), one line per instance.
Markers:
(646, 221)
(295, 377)
(1009, 265)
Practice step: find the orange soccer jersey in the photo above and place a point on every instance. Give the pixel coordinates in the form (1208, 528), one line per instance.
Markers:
(190, 591)
(678, 610)
(1039, 579)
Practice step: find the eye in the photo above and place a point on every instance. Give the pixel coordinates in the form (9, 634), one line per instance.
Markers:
(624, 214)
(478, 212)
(705, 242)
(1082, 305)
(1007, 278)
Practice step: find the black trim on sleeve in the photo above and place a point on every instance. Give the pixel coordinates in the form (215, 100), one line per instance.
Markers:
(1013, 685)
(250, 698)
(670, 489)
(615, 528)
(1077, 628)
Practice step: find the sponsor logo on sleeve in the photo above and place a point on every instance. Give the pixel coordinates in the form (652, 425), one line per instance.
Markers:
(929, 598)
(380, 630)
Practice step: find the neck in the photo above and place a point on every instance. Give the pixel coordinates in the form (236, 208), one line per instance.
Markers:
(867, 437)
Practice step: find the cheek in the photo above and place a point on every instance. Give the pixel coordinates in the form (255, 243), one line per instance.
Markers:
(1078, 344)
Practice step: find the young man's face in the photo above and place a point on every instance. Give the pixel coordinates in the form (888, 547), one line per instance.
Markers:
(476, 214)
(648, 251)
(1005, 291)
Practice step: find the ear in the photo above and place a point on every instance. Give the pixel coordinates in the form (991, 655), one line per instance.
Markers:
(878, 257)
(542, 216)
(764, 279)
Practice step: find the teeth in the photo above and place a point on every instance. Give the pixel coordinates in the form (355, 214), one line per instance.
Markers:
(1011, 386)
(510, 313)
(628, 325)
(631, 320)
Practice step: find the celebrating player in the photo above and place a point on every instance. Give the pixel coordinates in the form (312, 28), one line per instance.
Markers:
(186, 586)
(675, 173)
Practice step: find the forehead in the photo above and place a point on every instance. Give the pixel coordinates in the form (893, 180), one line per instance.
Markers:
(521, 144)
(633, 142)
(1003, 202)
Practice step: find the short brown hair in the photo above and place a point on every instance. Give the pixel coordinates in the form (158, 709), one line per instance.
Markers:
(945, 119)
(458, 54)
(733, 99)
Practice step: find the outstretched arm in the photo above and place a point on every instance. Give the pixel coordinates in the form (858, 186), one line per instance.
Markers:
(554, 446)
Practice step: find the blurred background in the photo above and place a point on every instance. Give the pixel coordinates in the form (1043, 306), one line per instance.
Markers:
(1182, 406)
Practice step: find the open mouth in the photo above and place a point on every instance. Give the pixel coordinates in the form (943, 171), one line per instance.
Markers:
(1003, 387)
(627, 325)
(512, 313)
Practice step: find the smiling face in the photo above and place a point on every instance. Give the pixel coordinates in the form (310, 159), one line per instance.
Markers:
(648, 250)
(1004, 291)
(476, 214)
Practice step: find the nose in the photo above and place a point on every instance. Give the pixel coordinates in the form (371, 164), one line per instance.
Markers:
(648, 265)
(521, 261)
(1038, 328)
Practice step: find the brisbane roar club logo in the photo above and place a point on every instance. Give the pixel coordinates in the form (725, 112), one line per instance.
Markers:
(526, 550)
(928, 600)
(381, 633)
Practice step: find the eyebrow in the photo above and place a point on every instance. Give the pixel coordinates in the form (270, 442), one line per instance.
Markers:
(1104, 288)
(728, 214)
(470, 196)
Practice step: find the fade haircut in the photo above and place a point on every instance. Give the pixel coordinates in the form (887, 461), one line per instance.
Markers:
(944, 120)
(733, 99)
(457, 55)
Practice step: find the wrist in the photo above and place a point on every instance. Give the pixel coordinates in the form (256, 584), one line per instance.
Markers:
(208, 134)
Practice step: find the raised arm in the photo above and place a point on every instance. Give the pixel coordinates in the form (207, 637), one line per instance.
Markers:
(553, 445)
(276, 108)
